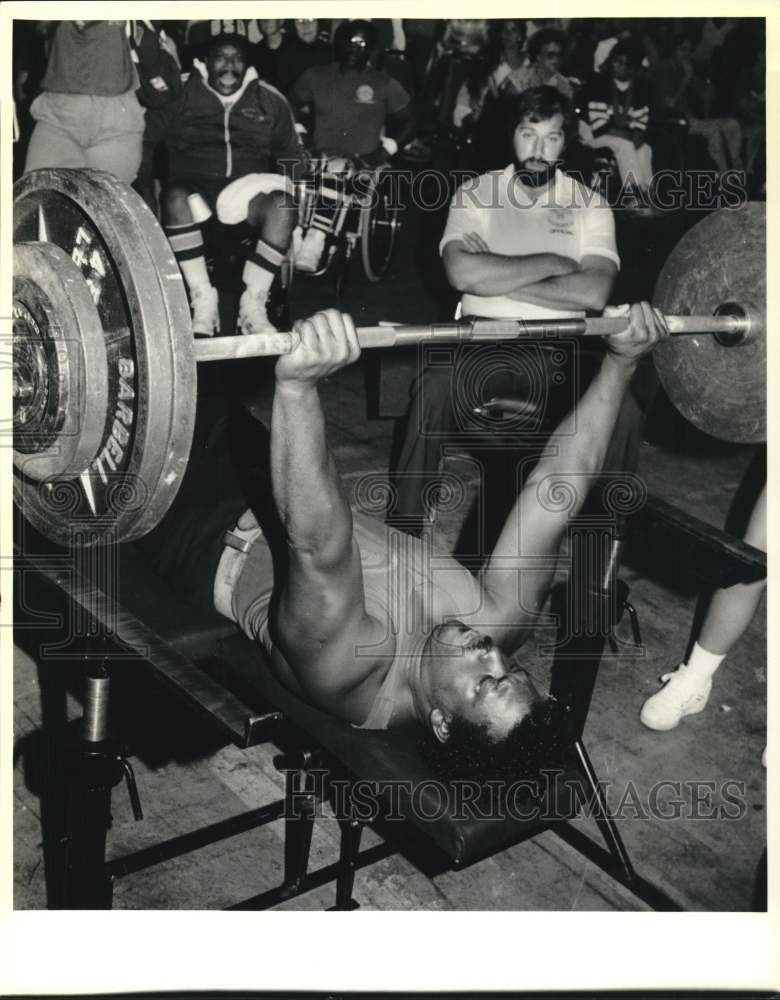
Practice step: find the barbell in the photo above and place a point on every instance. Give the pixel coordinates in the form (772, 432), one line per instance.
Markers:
(105, 363)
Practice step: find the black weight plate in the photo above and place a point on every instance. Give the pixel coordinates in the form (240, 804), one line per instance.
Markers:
(127, 263)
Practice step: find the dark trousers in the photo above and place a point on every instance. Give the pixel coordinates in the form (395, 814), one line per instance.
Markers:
(454, 381)
(228, 471)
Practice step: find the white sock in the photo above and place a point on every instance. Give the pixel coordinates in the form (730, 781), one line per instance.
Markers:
(195, 273)
(257, 279)
(703, 663)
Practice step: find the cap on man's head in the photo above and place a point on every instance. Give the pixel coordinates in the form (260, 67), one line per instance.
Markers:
(230, 32)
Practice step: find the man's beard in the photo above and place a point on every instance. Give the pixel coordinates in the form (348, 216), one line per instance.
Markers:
(535, 178)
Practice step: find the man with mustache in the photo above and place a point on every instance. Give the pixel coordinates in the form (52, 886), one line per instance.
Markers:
(526, 242)
(232, 149)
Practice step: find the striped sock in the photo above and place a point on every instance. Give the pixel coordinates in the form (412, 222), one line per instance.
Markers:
(187, 244)
(186, 241)
(262, 266)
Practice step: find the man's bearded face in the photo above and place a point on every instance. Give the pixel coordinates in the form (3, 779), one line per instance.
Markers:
(226, 65)
(538, 148)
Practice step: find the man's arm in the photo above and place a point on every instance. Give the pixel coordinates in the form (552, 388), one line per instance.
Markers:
(588, 288)
(480, 272)
(517, 577)
(401, 124)
(286, 146)
(321, 614)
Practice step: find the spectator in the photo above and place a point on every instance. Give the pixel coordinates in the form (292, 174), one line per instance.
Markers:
(617, 104)
(713, 35)
(464, 35)
(544, 52)
(224, 134)
(750, 92)
(88, 114)
(351, 103)
(680, 90)
(502, 54)
(304, 47)
(271, 51)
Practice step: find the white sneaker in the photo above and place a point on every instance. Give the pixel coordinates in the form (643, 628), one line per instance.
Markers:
(253, 315)
(308, 259)
(205, 311)
(683, 694)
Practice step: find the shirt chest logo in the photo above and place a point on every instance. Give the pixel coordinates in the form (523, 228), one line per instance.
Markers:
(364, 94)
(253, 114)
(561, 220)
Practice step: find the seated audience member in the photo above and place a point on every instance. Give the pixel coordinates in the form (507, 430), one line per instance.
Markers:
(351, 104)
(617, 105)
(357, 618)
(88, 114)
(269, 53)
(544, 53)
(493, 64)
(225, 135)
(306, 46)
(681, 87)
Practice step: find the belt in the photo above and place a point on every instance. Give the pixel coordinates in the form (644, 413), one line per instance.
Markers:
(238, 542)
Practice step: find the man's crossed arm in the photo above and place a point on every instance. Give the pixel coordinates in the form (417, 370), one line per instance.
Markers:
(545, 279)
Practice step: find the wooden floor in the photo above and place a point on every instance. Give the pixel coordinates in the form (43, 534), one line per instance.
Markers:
(706, 864)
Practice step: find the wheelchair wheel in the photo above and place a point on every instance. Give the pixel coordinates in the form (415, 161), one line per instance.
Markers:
(379, 226)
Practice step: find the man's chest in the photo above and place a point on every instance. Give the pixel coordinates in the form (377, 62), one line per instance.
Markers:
(350, 98)
(521, 229)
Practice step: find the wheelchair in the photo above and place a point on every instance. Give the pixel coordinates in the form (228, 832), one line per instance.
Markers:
(363, 215)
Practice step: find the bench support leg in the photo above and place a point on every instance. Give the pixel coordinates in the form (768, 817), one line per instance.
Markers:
(351, 832)
(300, 809)
(606, 825)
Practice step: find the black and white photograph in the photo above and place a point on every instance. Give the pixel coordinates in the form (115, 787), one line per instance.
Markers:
(384, 507)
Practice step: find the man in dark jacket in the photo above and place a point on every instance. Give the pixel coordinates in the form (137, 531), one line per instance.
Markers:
(233, 149)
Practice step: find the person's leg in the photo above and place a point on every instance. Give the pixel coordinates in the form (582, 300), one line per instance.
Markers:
(329, 194)
(730, 612)
(117, 141)
(626, 156)
(623, 449)
(713, 136)
(732, 609)
(186, 238)
(732, 138)
(644, 157)
(428, 425)
(53, 142)
(275, 215)
(185, 547)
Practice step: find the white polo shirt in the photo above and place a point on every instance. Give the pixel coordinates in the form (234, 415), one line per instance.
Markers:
(567, 218)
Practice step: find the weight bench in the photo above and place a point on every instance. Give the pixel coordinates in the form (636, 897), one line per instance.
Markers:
(221, 674)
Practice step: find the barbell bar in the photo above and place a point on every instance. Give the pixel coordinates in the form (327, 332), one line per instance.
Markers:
(737, 326)
(105, 391)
